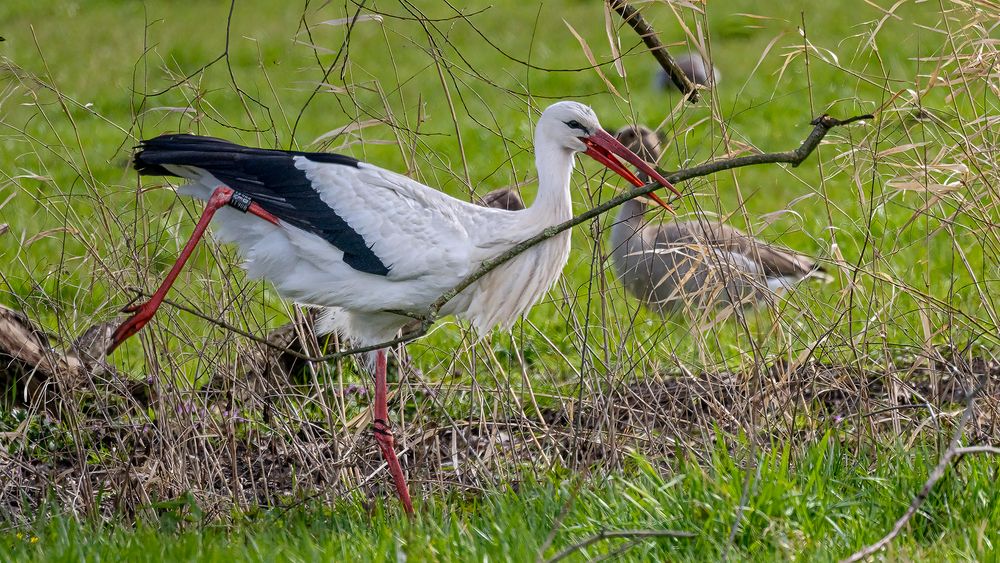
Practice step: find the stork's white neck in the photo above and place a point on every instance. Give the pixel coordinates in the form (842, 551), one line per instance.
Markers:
(553, 203)
(500, 296)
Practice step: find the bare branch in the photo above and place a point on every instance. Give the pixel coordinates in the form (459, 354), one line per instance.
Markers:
(953, 451)
(821, 126)
(977, 450)
(656, 48)
(419, 331)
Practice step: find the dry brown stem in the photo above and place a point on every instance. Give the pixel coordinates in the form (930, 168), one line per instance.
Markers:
(656, 48)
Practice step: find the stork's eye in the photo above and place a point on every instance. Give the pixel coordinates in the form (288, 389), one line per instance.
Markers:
(574, 124)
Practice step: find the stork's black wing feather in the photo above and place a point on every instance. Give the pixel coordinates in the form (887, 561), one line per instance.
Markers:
(271, 179)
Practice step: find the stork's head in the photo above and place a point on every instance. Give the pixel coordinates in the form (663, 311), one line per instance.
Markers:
(569, 123)
(574, 126)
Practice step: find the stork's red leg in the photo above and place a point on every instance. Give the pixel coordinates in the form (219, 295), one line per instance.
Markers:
(383, 433)
(221, 197)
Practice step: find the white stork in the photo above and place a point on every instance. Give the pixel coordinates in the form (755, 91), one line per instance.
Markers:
(695, 67)
(331, 231)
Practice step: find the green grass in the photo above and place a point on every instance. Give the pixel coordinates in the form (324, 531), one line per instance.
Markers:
(107, 238)
(82, 230)
(809, 505)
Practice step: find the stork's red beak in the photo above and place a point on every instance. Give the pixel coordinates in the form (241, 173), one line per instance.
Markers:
(602, 147)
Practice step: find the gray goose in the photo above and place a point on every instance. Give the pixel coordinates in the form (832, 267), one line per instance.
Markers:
(695, 263)
(697, 69)
(503, 198)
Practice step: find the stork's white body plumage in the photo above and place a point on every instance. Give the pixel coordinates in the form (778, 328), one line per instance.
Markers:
(429, 240)
(365, 242)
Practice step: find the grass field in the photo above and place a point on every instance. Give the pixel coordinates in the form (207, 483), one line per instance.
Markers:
(821, 416)
(829, 502)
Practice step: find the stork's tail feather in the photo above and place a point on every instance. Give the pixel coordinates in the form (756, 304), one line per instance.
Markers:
(182, 150)
(153, 156)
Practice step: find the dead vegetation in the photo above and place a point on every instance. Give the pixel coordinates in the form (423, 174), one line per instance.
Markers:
(100, 444)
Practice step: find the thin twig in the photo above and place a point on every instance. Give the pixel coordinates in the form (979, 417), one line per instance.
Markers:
(977, 450)
(821, 126)
(935, 476)
(557, 524)
(405, 337)
(656, 48)
(329, 70)
(605, 534)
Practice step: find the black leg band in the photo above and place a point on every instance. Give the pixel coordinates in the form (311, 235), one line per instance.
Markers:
(240, 201)
(381, 427)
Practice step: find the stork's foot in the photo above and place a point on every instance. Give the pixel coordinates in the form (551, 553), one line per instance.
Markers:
(142, 313)
(386, 443)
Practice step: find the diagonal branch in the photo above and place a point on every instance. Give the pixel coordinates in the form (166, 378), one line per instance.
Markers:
(656, 48)
(954, 450)
(821, 126)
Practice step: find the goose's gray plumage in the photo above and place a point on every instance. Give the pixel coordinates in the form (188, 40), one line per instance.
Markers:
(503, 198)
(697, 69)
(699, 262)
